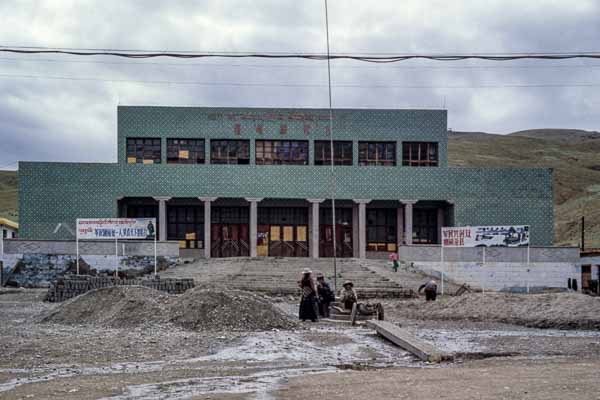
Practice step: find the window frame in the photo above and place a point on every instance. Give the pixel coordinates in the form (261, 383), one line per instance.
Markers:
(195, 149)
(366, 147)
(266, 152)
(227, 150)
(409, 149)
(137, 148)
(323, 147)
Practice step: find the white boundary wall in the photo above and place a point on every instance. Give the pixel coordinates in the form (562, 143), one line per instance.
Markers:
(505, 268)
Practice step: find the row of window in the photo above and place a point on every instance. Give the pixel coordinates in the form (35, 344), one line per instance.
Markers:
(280, 152)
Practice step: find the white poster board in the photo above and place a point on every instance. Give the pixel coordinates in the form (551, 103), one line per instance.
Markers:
(486, 236)
(115, 229)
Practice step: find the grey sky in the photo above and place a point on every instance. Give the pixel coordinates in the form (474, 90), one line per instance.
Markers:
(75, 120)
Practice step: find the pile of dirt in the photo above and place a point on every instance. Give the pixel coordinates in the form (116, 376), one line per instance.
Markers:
(555, 310)
(118, 307)
(213, 309)
(203, 309)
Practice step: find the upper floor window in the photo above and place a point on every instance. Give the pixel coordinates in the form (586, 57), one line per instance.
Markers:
(143, 151)
(420, 154)
(377, 153)
(342, 153)
(230, 151)
(185, 151)
(279, 152)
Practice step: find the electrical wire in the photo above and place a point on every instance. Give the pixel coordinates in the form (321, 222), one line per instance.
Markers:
(303, 66)
(365, 57)
(307, 85)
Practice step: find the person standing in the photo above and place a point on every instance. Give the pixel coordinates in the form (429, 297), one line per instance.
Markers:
(394, 259)
(326, 295)
(430, 290)
(308, 299)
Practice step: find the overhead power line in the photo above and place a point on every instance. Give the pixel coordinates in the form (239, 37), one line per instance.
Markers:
(301, 66)
(306, 85)
(365, 57)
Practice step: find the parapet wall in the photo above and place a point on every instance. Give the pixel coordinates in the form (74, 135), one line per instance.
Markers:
(36, 263)
(91, 247)
(500, 268)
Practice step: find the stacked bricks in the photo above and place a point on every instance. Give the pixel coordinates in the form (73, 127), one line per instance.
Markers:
(71, 286)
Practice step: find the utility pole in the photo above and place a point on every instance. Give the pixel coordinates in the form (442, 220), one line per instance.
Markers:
(331, 154)
(582, 233)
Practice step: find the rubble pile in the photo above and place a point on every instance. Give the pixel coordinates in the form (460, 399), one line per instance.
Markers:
(548, 311)
(213, 309)
(117, 307)
(200, 309)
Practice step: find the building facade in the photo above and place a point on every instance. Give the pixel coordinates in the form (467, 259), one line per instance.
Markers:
(227, 182)
(8, 229)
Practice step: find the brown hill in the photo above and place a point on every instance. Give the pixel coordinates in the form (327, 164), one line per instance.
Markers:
(9, 203)
(574, 155)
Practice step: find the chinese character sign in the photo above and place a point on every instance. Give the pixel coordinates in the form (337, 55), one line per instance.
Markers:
(116, 228)
(486, 236)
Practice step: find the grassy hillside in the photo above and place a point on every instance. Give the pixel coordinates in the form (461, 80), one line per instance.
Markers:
(9, 203)
(574, 156)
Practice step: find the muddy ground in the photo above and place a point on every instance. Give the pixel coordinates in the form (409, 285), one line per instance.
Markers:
(159, 361)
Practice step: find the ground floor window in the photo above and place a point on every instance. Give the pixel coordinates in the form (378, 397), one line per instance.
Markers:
(381, 229)
(425, 226)
(186, 224)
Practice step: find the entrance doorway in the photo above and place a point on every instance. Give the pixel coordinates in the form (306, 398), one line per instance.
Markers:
(282, 232)
(343, 233)
(230, 232)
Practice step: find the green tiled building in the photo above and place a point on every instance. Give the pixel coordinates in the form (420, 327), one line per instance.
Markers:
(252, 181)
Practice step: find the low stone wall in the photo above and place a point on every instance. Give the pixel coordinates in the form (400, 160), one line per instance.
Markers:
(30, 263)
(505, 268)
(71, 286)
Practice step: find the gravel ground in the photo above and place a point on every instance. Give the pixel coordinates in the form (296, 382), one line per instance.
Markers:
(79, 361)
(552, 310)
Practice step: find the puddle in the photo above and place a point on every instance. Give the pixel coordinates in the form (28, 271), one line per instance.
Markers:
(260, 383)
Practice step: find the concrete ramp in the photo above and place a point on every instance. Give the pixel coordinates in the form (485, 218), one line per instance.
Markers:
(407, 341)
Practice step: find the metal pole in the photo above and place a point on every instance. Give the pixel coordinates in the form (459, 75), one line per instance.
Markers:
(582, 233)
(116, 256)
(528, 263)
(77, 249)
(481, 275)
(1, 257)
(442, 268)
(155, 258)
(333, 219)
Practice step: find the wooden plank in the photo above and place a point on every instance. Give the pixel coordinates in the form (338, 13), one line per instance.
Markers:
(404, 339)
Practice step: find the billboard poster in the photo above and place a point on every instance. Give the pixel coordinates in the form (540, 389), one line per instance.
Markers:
(486, 236)
(116, 228)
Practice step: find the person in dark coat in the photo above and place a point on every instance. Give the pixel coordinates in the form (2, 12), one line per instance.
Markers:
(309, 295)
(326, 295)
(430, 290)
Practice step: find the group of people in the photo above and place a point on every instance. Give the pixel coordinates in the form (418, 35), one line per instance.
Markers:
(317, 296)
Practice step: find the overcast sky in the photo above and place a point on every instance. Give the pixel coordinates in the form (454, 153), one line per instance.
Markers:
(75, 120)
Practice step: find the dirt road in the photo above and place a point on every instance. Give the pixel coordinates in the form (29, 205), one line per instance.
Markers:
(158, 361)
(479, 380)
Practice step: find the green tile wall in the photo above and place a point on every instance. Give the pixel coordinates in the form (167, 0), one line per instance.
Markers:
(61, 192)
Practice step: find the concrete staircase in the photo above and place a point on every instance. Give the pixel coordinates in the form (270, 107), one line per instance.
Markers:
(279, 276)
